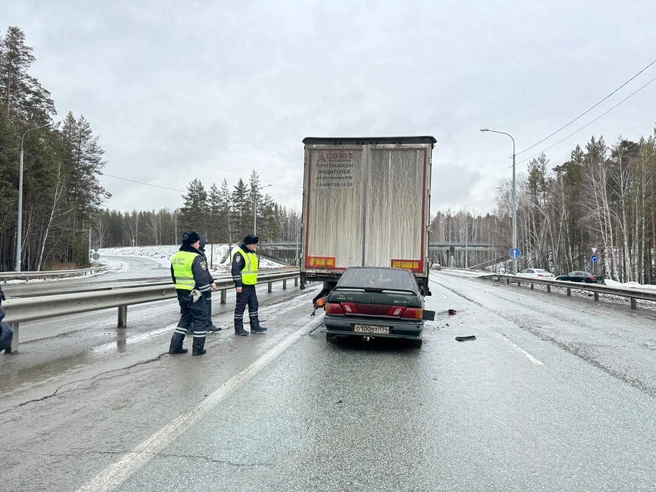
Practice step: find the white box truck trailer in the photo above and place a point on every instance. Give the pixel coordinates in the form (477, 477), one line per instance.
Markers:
(366, 202)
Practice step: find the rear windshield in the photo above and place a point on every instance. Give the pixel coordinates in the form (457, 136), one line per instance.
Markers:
(378, 278)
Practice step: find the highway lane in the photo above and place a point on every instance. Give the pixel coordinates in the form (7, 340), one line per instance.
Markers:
(122, 271)
(554, 394)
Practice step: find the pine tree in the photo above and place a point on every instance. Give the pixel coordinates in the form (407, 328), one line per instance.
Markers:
(82, 157)
(194, 212)
(240, 215)
(21, 93)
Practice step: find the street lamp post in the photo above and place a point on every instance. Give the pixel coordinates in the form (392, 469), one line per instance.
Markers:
(19, 231)
(255, 208)
(514, 200)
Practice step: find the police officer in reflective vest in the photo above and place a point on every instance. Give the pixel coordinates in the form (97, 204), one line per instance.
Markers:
(192, 281)
(244, 274)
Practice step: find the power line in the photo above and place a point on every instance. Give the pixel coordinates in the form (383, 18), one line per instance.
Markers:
(141, 182)
(587, 125)
(586, 112)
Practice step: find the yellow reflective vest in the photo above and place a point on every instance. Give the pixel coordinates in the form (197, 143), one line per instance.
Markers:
(182, 263)
(249, 272)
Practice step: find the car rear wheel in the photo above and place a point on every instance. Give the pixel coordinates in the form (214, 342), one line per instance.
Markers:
(414, 343)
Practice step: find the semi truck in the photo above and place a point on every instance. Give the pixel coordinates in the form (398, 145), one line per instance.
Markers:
(366, 202)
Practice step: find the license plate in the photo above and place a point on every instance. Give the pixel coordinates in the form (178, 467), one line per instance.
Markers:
(383, 330)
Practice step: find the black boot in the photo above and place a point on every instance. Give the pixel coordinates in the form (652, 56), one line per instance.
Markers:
(176, 344)
(198, 346)
(239, 328)
(255, 326)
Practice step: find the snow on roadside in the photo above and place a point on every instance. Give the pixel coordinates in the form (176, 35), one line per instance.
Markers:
(217, 255)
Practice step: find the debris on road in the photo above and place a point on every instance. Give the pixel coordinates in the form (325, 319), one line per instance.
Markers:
(464, 339)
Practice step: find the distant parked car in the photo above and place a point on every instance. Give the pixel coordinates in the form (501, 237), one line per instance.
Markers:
(538, 273)
(580, 276)
(376, 302)
(436, 266)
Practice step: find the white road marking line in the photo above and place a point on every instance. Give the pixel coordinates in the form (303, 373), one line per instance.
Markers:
(524, 352)
(117, 473)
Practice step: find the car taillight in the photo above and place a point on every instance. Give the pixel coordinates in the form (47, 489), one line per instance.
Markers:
(334, 308)
(413, 313)
(349, 308)
(395, 311)
(592, 278)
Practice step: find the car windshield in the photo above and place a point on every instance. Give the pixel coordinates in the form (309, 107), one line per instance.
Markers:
(378, 278)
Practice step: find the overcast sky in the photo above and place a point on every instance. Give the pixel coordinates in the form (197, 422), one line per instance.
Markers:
(215, 89)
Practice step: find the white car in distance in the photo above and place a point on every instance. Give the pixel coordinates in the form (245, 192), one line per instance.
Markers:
(538, 273)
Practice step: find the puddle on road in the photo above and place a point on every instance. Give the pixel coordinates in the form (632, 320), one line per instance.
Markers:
(36, 375)
(122, 341)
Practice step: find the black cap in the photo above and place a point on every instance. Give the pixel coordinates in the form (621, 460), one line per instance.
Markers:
(250, 239)
(190, 237)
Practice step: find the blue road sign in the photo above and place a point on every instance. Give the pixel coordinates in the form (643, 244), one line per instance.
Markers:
(515, 254)
(594, 258)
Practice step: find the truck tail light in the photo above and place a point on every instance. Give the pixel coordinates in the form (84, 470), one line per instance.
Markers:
(413, 313)
(334, 308)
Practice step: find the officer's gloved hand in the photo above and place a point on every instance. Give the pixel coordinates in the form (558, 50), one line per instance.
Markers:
(196, 294)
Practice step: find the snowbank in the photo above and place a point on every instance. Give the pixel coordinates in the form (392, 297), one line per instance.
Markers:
(218, 255)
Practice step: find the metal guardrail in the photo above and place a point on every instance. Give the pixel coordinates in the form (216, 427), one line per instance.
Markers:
(5, 276)
(34, 308)
(631, 293)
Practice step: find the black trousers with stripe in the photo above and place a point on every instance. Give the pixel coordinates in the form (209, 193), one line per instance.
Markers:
(247, 297)
(193, 318)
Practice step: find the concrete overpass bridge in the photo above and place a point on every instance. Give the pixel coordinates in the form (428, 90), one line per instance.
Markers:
(455, 254)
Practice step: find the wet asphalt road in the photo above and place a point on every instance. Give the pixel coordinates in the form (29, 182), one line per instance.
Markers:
(136, 270)
(555, 393)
